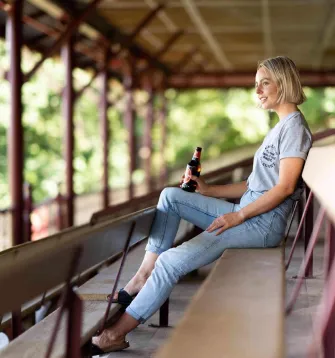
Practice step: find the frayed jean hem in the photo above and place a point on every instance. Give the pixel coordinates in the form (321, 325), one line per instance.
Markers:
(154, 249)
(135, 315)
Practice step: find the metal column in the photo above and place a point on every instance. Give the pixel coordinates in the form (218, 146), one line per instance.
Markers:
(147, 138)
(129, 117)
(105, 128)
(15, 133)
(162, 120)
(68, 101)
(308, 232)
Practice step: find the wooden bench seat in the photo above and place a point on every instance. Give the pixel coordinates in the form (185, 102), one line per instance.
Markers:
(99, 243)
(33, 343)
(238, 311)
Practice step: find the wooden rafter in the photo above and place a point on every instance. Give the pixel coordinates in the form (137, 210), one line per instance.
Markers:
(241, 79)
(205, 31)
(73, 25)
(171, 41)
(326, 36)
(140, 27)
(266, 26)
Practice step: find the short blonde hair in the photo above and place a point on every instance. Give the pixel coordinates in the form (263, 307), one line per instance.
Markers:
(286, 75)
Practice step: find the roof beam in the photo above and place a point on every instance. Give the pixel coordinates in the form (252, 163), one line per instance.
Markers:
(325, 37)
(241, 79)
(185, 60)
(134, 5)
(97, 26)
(170, 25)
(237, 29)
(171, 41)
(266, 26)
(147, 19)
(205, 32)
(71, 27)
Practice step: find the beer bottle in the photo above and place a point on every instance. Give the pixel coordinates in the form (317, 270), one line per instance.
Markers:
(192, 168)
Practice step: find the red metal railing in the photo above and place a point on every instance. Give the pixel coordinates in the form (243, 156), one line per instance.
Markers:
(49, 216)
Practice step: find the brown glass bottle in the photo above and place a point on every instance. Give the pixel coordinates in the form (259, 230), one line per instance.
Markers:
(192, 168)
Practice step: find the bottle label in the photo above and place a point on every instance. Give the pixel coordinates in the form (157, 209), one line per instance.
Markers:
(188, 174)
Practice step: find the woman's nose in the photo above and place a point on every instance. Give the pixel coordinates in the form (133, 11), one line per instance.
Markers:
(258, 89)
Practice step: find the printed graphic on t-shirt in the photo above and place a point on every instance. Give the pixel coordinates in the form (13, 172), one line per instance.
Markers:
(269, 156)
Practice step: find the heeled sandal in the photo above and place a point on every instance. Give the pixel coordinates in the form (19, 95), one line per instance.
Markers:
(95, 350)
(123, 298)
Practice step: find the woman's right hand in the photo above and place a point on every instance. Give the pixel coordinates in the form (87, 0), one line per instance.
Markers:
(202, 186)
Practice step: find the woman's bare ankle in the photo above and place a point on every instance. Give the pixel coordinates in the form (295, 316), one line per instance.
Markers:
(135, 285)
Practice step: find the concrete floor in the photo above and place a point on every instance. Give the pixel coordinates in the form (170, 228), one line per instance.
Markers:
(145, 340)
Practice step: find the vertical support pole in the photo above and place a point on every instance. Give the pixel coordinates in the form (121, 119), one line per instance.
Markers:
(162, 120)
(164, 314)
(16, 323)
(308, 232)
(130, 122)
(28, 208)
(328, 337)
(73, 347)
(15, 133)
(68, 101)
(59, 202)
(329, 248)
(147, 153)
(105, 128)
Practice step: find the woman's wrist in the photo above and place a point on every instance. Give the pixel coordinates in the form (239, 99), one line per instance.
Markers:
(207, 190)
(242, 215)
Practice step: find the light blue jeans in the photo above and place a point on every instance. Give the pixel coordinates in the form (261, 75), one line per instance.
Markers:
(265, 230)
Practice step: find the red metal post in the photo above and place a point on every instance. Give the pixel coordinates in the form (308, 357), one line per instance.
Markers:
(130, 123)
(15, 133)
(105, 128)
(28, 208)
(59, 219)
(147, 140)
(68, 101)
(73, 333)
(328, 338)
(308, 232)
(307, 258)
(162, 120)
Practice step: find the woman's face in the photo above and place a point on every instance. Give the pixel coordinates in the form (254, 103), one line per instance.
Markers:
(266, 89)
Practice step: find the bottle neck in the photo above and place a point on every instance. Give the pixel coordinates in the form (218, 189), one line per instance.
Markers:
(196, 155)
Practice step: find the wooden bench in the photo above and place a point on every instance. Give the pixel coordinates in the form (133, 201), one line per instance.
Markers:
(98, 243)
(238, 311)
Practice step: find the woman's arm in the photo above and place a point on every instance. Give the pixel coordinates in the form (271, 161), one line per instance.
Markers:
(289, 172)
(229, 191)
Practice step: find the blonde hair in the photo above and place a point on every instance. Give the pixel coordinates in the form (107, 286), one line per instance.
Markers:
(285, 73)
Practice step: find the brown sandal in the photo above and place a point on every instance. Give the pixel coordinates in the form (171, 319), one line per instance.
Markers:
(95, 350)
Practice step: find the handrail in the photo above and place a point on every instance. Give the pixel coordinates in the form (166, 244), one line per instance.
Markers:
(215, 173)
(245, 162)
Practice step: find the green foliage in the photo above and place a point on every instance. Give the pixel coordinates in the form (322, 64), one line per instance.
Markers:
(217, 120)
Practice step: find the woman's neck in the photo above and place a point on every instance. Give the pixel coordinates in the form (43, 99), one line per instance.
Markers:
(285, 109)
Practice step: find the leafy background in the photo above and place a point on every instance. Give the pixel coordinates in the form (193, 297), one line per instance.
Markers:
(217, 120)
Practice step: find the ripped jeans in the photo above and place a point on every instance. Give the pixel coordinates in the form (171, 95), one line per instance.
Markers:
(265, 230)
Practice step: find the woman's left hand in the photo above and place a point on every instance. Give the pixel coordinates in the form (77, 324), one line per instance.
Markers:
(225, 222)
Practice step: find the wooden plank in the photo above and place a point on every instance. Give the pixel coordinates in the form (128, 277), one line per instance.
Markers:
(319, 175)
(33, 343)
(238, 311)
(25, 274)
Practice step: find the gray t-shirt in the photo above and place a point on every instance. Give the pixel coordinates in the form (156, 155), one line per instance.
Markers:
(290, 137)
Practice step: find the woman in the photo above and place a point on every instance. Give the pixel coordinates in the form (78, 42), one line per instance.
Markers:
(258, 221)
